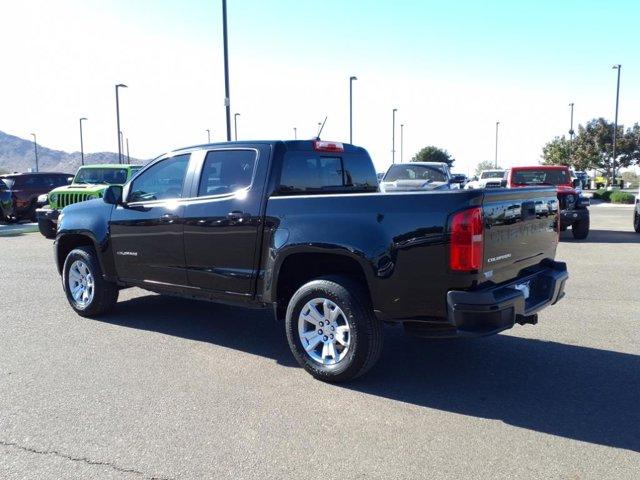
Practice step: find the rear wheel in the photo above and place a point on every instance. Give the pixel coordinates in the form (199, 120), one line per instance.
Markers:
(88, 293)
(580, 229)
(332, 330)
(636, 221)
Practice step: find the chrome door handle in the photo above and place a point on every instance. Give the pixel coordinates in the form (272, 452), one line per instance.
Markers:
(237, 216)
(168, 218)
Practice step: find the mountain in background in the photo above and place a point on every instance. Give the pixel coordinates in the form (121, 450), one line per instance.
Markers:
(17, 155)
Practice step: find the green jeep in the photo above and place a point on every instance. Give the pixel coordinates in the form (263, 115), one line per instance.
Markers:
(90, 182)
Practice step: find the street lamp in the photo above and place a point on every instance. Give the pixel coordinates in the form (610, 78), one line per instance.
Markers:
(393, 137)
(351, 79)
(227, 97)
(81, 143)
(295, 133)
(122, 145)
(615, 127)
(571, 132)
(235, 124)
(208, 136)
(401, 142)
(496, 160)
(319, 127)
(128, 157)
(35, 147)
(120, 85)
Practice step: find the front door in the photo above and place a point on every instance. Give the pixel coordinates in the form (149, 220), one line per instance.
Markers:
(223, 219)
(147, 231)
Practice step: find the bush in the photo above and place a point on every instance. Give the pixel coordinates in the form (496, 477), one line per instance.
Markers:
(622, 197)
(603, 194)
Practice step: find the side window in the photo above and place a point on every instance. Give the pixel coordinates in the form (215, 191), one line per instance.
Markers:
(162, 181)
(226, 171)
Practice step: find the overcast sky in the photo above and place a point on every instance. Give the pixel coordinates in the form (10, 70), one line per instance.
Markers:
(451, 68)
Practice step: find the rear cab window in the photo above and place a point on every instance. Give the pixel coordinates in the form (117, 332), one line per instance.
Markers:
(305, 172)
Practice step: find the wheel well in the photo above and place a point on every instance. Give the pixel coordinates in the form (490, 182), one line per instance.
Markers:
(300, 268)
(69, 242)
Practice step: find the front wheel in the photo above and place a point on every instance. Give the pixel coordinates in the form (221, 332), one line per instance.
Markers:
(332, 330)
(636, 221)
(580, 229)
(88, 293)
(47, 228)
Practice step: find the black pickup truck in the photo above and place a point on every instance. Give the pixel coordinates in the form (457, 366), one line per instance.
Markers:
(301, 227)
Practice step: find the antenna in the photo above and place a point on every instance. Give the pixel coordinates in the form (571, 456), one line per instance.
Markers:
(321, 127)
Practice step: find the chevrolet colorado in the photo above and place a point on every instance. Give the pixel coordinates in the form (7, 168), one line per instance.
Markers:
(301, 227)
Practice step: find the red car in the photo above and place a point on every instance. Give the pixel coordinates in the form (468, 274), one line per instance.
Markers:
(23, 189)
(573, 206)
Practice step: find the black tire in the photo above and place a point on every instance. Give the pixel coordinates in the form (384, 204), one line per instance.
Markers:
(105, 294)
(636, 221)
(580, 229)
(47, 228)
(365, 334)
(31, 213)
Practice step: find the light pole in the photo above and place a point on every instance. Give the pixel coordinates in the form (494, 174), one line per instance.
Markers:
(81, 143)
(319, 127)
(295, 133)
(235, 124)
(122, 145)
(120, 85)
(208, 136)
(35, 148)
(401, 142)
(496, 160)
(571, 132)
(351, 79)
(128, 157)
(393, 137)
(615, 127)
(227, 95)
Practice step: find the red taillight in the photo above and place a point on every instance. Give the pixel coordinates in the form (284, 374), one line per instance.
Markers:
(467, 240)
(322, 146)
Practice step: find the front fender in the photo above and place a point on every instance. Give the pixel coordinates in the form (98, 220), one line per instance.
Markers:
(88, 219)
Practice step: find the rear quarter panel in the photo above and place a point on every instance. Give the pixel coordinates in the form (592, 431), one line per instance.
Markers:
(399, 240)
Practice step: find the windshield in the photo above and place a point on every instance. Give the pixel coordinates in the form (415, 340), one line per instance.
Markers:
(541, 177)
(425, 173)
(492, 175)
(111, 176)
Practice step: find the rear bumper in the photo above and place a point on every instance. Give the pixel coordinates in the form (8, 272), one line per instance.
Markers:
(569, 217)
(490, 310)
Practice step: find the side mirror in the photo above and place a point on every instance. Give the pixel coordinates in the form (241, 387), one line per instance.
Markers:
(503, 182)
(113, 195)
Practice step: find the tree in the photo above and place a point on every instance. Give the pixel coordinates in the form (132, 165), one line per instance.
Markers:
(433, 154)
(485, 165)
(592, 147)
(557, 152)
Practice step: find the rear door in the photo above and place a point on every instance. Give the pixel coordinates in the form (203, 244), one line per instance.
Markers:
(521, 229)
(223, 219)
(147, 232)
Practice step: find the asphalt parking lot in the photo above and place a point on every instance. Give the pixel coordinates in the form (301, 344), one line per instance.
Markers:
(166, 388)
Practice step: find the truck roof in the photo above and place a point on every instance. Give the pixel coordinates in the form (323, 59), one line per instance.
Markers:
(291, 145)
(541, 167)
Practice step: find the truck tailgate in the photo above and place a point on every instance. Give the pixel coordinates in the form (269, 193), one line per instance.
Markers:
(520, 230)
